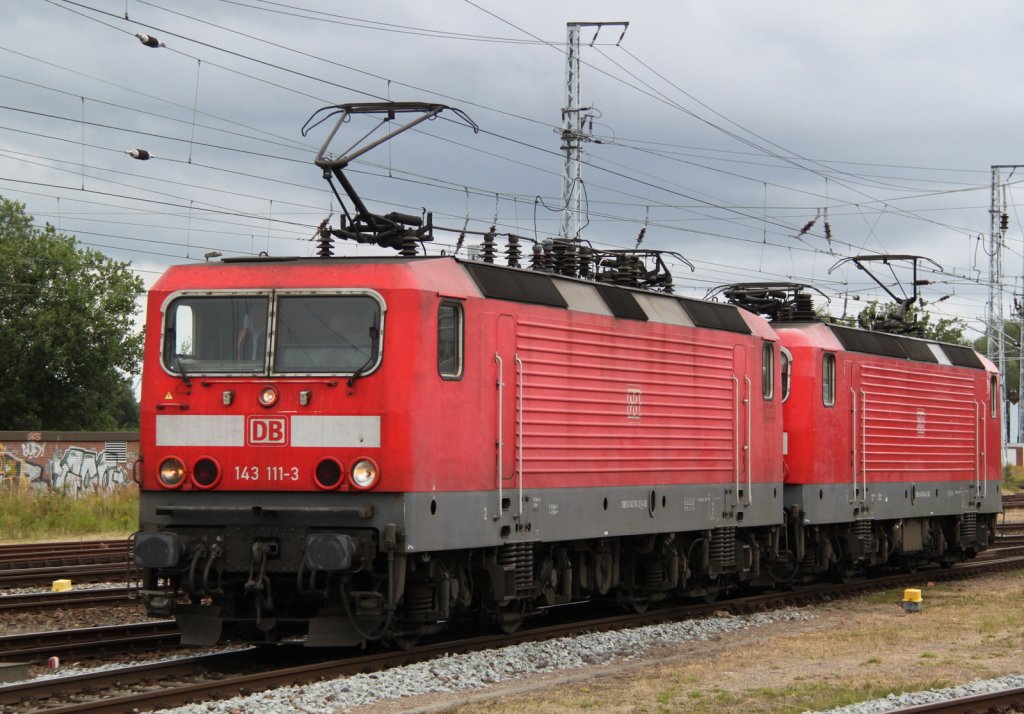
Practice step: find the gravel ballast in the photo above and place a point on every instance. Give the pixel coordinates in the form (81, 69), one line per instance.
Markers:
(894, 702)
(477, 670)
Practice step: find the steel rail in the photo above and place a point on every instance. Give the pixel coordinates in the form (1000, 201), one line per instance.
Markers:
(91, 573)
(1005, 700)
(22, 555)
(89, 641)
(34, 602)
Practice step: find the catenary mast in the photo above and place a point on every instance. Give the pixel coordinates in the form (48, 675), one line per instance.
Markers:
(575, 131)
(995, 328)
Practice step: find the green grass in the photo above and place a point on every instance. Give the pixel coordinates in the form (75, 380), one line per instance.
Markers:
(1013, 478)
(796, 698)
(666, 696)
(884, 597)
(26, 514)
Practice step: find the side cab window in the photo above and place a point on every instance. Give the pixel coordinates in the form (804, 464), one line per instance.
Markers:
(994, 397)
(767, 370)
(450, 330)
(828, 379)
(787, 370)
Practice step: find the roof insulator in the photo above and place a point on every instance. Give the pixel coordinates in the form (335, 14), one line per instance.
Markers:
(140, 154)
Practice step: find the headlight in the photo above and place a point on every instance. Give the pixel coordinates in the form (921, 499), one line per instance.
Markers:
(268, 396)
(364, 474)
(172, 473)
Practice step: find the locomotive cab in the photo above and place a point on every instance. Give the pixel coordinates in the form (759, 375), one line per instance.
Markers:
(262, 453)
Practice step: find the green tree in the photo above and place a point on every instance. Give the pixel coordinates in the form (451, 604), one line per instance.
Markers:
(67, 338)
(1011, 332)
(917, 321)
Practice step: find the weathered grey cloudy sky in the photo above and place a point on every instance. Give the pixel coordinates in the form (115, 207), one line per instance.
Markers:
(724, 127)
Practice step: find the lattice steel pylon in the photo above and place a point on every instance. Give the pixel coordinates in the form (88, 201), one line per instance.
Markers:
(574, 129)
(995, 328)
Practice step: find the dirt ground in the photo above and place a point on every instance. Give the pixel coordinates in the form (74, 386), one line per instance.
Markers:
(851, 651)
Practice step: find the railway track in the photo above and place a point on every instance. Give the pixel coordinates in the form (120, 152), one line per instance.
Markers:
(38, 555)
(37, 647)
(1012, 501)
(210, 676)
(1007, 700)
(144, 636)
(37, 602)
(162, 685)
(37, 577)
(39, 564)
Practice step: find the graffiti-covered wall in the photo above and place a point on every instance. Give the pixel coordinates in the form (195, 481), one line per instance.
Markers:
(68, 461)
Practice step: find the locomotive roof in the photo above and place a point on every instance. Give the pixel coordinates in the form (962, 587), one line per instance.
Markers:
(449, 275)
(851, 339)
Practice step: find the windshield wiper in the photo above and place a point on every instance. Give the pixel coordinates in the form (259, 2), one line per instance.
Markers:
(181, 368)
(369, 360)
(359, 372)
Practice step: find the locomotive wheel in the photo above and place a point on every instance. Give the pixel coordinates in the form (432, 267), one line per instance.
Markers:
(639, 605)
(511, 617)
(406, 641)
(712, 589)
(839, 574)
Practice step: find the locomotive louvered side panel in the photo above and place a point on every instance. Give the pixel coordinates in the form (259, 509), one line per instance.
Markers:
(916, 425)
(660, 407)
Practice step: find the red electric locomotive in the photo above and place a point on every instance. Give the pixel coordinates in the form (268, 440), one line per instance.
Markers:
(353, 448)
(891, 441)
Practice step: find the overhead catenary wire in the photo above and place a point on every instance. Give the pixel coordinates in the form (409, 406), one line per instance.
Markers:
(622, 214)
(783, 157)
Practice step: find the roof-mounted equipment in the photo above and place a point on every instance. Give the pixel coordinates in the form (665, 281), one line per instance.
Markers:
(896, 320)
(393, 230)
(644, 269)
(778, 302)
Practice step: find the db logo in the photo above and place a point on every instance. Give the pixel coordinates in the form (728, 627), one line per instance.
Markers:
(266, 431)
(633, 401)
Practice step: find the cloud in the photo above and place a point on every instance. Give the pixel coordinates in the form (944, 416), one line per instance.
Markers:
(724, 127)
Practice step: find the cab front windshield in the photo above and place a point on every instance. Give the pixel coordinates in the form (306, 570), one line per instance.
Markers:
(312, 334)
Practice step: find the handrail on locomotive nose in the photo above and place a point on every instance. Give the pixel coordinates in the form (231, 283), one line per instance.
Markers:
(426, 110)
